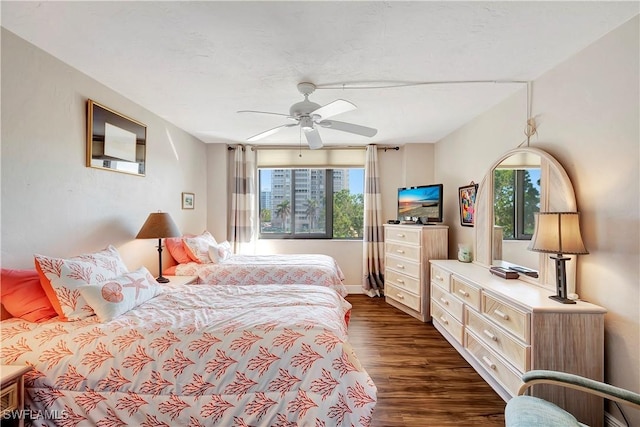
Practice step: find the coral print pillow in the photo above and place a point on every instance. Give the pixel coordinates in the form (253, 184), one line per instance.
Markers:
(62, 278)
(197, 247)
(221, 252)
(114, 297)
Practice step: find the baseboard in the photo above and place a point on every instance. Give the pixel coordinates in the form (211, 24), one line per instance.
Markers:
(354, 289)
(611, 421)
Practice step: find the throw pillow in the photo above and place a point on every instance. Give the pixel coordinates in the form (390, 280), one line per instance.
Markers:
(114, 297)
(221, 252)
(197, 247)
(60, 278)
(22, 295)
(176, 249)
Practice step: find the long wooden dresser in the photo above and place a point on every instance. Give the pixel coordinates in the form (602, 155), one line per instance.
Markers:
(504, 328)
(408, 249)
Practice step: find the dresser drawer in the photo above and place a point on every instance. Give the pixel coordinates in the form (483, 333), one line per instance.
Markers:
(402, 235)
(496, 367)
(515, 321)
(410, 268)
(498, 340)
(409, 252)
(440, 277)
(466, 292)
(403, 297)
(452, 305)
(407, 283)
(448, 322)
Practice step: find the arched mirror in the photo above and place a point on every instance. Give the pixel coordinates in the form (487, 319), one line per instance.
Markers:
(522, 181)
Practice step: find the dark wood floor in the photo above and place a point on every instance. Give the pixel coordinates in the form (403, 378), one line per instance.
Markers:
(422, 381)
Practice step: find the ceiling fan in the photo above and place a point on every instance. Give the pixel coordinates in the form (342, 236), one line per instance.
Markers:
(309, 115)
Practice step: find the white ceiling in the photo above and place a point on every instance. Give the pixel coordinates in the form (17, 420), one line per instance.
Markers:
(196, 63)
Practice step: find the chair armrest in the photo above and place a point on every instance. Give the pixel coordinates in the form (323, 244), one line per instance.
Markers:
(580, 383)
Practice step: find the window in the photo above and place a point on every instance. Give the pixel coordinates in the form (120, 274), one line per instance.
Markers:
(516, 198)
(311, 203)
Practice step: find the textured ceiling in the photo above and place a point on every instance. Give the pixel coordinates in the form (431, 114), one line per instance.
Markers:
(196, 63)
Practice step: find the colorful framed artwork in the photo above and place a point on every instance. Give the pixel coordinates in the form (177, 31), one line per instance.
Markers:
(188, 201)
(467, 196)
(115, 142)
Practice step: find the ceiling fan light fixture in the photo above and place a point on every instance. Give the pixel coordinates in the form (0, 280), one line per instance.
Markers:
(306, 124)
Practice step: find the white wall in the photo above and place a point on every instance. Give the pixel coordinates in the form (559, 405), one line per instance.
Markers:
(588, 114)
(51, 203)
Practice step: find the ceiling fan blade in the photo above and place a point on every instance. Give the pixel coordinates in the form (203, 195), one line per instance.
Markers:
(313, 138)
(266, 133)
(265, 112)
(348, 127)
(334, 108)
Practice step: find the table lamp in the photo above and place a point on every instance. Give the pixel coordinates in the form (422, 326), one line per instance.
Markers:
(558, 233)
(158, 226)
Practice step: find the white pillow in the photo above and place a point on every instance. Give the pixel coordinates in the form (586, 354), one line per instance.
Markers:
(197, 247)
(111, 298)
(61, 278)
(221, 252)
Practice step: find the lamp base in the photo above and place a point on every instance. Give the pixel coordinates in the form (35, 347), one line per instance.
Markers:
(562, 300)
(162, 279)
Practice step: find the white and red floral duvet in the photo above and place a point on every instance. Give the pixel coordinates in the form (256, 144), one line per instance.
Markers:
(269, 355)
(309, 269)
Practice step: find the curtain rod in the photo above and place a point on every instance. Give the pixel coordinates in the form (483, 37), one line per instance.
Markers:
(293, 147)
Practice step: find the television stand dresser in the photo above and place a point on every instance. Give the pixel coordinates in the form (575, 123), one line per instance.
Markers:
(407, 251)
(504, 328)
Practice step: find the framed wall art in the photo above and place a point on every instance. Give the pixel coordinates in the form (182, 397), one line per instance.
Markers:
(115, 142)
(467, 196)
(188, 201)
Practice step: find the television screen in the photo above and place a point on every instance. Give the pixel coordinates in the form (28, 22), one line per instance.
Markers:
(424, 202)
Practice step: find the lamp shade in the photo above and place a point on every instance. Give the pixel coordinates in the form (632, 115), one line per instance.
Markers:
(558, 233)
(158, 225)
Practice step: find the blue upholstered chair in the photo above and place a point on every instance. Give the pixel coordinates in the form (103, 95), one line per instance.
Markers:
(529, 411)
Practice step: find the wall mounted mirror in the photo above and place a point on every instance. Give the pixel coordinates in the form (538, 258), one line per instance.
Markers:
(522, 181)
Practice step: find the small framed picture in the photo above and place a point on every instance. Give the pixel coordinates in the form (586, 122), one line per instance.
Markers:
(188, 200)
(467, 204)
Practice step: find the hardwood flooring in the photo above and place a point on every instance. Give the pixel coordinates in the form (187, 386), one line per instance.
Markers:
(422, 381)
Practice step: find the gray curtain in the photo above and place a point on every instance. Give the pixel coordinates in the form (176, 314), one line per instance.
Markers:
(373, 240)
(242, 215)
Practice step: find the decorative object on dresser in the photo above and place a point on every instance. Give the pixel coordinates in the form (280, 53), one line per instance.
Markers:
(558, 233)
(408, 249)
(505, 328)
(158, 226)
(115, 142)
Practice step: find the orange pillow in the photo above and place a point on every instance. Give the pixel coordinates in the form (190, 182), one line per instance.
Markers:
(176, 249)
(22, 295)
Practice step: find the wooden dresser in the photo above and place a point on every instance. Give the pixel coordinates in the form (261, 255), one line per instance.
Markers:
(504, 328)
(408, 249)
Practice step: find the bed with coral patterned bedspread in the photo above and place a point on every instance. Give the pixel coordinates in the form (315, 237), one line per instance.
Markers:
(313, 269)
(199, 355)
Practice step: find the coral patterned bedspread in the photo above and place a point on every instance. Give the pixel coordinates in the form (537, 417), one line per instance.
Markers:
(271, 355)
(311, 269)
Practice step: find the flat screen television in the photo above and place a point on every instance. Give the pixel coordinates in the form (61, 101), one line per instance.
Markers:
(422, 204)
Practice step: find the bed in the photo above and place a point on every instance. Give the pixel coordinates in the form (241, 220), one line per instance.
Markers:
(194, 355)
(313, 269)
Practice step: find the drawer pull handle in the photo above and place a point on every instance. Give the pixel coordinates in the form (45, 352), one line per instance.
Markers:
(444, 301)
(489, 363)
(438, 277)
(501, 314)
(401, 235)
(400, 266)
(445, 321)
(463, 292)
(400, 251)
(400, 296)
(400, 281)
(490, 335)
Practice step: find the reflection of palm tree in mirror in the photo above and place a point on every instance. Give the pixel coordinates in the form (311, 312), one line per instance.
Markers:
(283, 210)
(311, 212)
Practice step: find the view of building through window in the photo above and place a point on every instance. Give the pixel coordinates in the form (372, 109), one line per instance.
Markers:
(311, 203)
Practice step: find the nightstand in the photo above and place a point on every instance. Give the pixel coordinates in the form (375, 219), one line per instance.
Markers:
(12, 394)
(181, 280)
